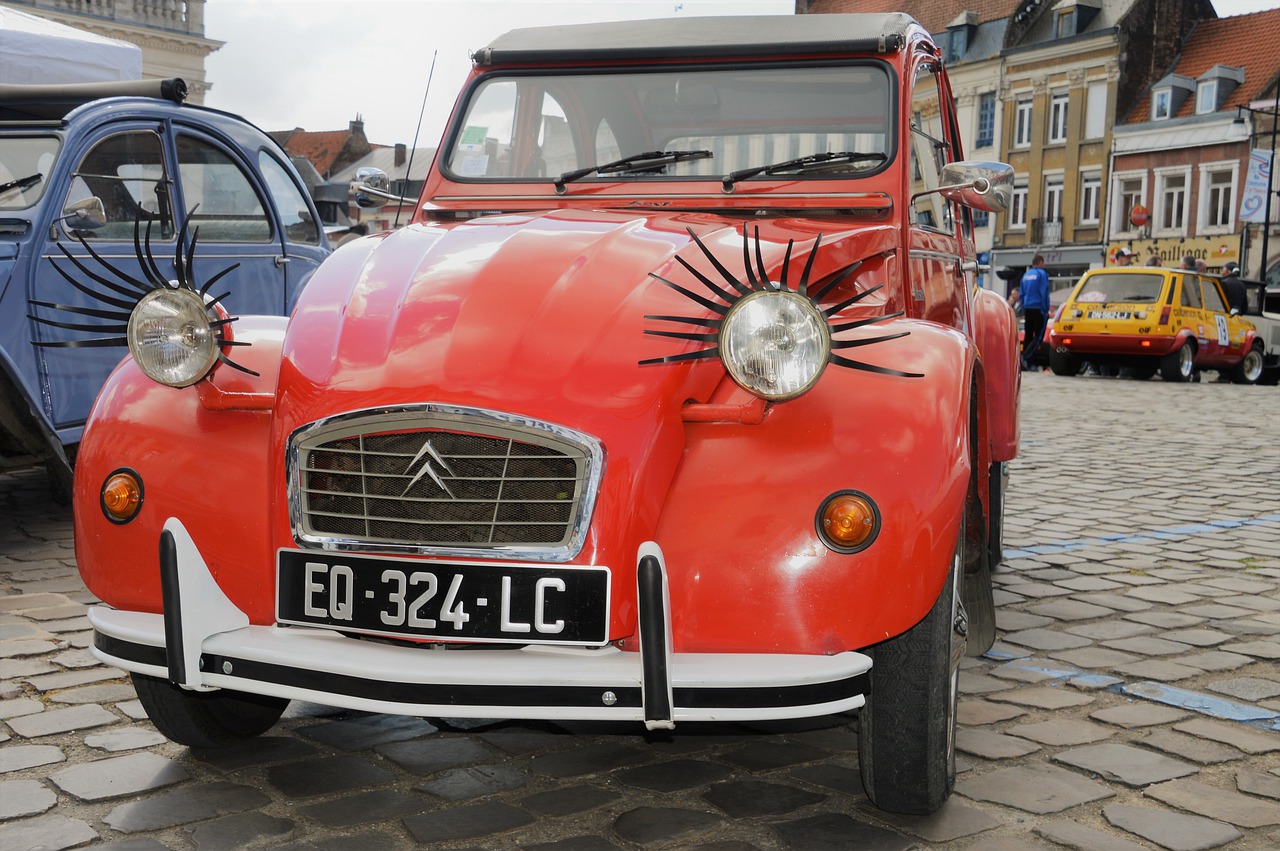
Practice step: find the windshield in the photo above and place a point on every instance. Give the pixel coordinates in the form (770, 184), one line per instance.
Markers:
(25, 163)
(1136, 289)
(539, 127)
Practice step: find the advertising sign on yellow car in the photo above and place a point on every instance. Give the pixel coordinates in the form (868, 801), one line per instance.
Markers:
(1148, 320)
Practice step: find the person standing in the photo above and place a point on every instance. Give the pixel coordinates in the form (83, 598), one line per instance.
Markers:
(1124, 257)
(1034, 288)
(1233, 287)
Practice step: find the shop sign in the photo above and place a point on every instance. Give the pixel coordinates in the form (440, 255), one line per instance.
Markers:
(1213, 250)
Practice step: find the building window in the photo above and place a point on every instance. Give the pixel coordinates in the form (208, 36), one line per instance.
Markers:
(986, 120)
(1053, 198)
(1172, 195)
(1058, 119)
(1064, 24)
(981, 218)
(1161, 104)
(1219, 192)
(1130, 192)
(1206, 97)
(1018, 207)
(1095, 110)
(957, 42)
(1090, 190)
(1022, 124)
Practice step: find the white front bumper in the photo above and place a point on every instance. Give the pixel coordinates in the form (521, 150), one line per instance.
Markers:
(204, 642)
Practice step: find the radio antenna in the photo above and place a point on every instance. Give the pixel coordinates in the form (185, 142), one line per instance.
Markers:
(408, 169)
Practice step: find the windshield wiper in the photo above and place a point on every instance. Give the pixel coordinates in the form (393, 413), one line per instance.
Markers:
(21, 182)
(635, 162)
(802, 164)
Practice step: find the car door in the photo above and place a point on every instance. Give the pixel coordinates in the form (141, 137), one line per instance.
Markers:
(1221, 348)
(228, 215)
(936, 254)
(304, 243)
(123, 166)
(1190, 313)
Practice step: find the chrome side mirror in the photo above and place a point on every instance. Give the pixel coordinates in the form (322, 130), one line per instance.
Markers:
(88, 214)
(371, 188)
(982, 185)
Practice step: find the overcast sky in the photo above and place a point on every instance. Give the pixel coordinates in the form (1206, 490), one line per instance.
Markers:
(317, 64)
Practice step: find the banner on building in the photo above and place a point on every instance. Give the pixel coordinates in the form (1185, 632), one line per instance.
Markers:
(1253, 200)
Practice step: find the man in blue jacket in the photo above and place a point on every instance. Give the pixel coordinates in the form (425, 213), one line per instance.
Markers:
(1035, 308)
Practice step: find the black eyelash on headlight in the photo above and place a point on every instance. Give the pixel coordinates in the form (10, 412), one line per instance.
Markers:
(757, 280)
(129, 290)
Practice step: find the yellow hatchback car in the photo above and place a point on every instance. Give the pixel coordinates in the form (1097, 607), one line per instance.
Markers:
(1148, 320)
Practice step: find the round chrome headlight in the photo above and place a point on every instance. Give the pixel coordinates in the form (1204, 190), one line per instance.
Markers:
(170, 337)
(775, 344)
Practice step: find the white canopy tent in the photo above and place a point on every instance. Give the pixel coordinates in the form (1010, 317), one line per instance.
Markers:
(37, 50)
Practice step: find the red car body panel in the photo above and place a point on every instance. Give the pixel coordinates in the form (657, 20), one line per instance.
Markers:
(728, 416)
(390, 322)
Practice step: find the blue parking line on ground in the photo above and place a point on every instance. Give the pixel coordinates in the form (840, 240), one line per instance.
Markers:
(1204, 704)
(1167, 534)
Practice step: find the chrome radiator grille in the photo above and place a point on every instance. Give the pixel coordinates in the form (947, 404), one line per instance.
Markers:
(449, 480)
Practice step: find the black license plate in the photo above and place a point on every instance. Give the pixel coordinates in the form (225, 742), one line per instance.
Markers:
(459, 601)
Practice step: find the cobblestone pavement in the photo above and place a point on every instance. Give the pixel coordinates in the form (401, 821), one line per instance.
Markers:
(1132, 700)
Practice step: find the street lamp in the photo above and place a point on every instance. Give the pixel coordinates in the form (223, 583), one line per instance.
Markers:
(1274, 114)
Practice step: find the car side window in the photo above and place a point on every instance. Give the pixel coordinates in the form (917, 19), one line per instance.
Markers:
(219, 196)
(126, 173)
(1213, 297)
(1190, 292)
(929, 153)
(295, 215)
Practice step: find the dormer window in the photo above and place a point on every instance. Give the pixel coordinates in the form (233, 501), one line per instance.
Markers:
(1161, 104)
(1168, 96)
(960, 34)
(1206, 97)
(1064, 22)
(1214, 86)
(1072, 17)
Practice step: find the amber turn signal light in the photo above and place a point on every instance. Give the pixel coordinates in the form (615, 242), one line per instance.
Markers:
(848, 521)
(121, 496)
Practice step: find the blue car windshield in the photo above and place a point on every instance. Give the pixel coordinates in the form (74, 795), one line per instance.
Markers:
(25, 164)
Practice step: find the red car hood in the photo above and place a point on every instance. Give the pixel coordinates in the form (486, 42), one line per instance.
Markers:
(542, 316)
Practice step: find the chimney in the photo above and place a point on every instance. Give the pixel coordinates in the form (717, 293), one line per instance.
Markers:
(401, 152)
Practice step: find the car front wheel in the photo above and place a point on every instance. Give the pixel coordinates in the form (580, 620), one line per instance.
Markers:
(1249, 370)
(907, 730)
(1179, 364)
(206, 719)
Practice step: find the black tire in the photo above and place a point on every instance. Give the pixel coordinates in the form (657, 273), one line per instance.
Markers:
(1064, 363)
(206, 719)
(1179, 365)
(906, 731)
(1249, 370)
